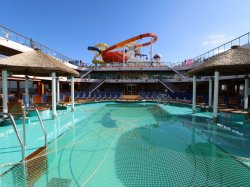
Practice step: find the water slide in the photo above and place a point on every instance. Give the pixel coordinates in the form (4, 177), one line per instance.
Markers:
(108, 55)
(98, 50)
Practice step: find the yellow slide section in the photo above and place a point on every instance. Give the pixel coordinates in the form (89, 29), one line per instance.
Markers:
(97, 58)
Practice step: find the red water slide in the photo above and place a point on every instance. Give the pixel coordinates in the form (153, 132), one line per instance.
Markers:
(117, 56)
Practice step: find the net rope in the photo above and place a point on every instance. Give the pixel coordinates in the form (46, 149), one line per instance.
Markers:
(144, 155)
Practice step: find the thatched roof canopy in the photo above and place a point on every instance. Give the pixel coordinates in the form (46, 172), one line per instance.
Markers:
(36, 63)
(231, 62)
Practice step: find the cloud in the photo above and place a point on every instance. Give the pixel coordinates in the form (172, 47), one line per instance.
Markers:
(215, 39)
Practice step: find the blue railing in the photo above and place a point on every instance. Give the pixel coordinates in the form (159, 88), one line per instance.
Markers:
(29, 42)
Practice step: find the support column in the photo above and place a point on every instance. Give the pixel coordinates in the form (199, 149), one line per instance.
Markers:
(27, 98)
(194, 94)
(210, 92)
(216, 95)
(5, 90)
(246, 94)
(53, 95)
(58, 90)
(72, 94)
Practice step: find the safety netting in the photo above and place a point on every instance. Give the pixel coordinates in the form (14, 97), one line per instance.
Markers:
(133, 146)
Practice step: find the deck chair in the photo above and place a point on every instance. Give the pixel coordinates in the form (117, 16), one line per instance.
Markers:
(221, 102)
(66, 100)
(199, 100)
(49, 99)
(39, 103)
(233, 102)
(16, 109)
(37, 99)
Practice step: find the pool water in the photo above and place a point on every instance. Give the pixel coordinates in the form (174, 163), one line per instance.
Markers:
(141, 144)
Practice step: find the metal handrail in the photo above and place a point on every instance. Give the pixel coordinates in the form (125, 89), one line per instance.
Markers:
(17, 133)
(89, 71)
(41, 123)
(165, 85)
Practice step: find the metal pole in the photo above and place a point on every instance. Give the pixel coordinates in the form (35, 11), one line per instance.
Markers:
(58, 90)
(24, 129)
(53, 95)
(27, 91)
(123, 56)
(210, 92)
(17, 134)
(216, 95)
(5, 90)
(44, 131)
(246, 94)
(72, 94)
(194, 94)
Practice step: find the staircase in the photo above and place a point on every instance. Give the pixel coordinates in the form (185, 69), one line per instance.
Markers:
(177, 72)
(89, 71)
(169, 86)
(95, 85)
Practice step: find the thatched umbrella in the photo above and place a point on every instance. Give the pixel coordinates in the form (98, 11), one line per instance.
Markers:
(235, 61)
(38, 64)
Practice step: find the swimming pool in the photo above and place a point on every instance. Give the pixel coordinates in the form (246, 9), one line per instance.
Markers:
(141, 144)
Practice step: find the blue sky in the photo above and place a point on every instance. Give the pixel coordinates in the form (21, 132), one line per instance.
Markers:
(185, 28)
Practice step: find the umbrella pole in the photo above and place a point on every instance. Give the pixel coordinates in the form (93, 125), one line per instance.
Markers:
(210, 90)
(27, 91)
(53, 95)
(72, 94)
(194, 94)
(5, 90)
(216, 95)
(58, 90)
(246, 94)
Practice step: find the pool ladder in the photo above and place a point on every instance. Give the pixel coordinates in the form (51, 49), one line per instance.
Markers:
(21, 142)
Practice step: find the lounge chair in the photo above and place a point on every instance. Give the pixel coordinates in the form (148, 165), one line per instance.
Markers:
(66, 100)
(16, 109)
(200, 101)
(37, 99)
(49, 99)
(233, 102)
(221, 102)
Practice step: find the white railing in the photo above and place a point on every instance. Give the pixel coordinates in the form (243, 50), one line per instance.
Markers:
(9, 34)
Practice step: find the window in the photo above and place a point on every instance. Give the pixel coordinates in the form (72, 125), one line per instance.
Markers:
(223, 87)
